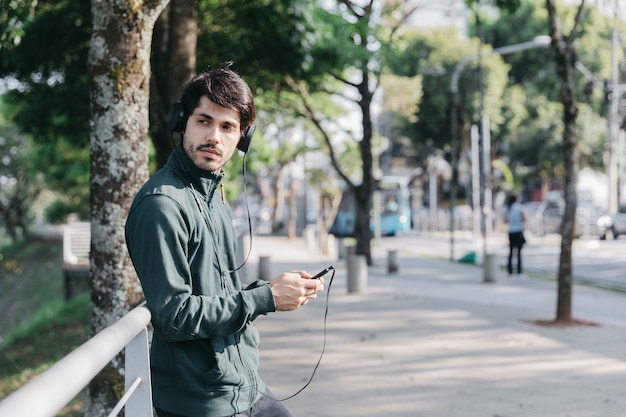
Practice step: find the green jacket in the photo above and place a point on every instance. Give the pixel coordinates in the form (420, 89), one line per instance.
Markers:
(204, 354)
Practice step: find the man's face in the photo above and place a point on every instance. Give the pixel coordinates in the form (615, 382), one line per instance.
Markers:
(211, 135)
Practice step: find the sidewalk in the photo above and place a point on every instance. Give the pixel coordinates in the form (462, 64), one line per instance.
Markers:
(433, 340)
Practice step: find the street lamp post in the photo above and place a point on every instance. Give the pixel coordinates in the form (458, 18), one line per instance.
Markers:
(538, 42)
(615, 149)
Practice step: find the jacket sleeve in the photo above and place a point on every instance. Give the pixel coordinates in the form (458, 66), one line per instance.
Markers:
(184, 307)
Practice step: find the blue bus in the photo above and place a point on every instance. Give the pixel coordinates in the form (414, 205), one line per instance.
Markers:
(395, 209)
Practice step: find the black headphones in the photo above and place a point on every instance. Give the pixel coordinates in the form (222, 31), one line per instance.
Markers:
(177, 120)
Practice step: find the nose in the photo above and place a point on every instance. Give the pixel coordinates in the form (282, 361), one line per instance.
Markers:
(212, 134)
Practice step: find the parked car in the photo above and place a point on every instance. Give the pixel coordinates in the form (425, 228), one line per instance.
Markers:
(604, 226)
(548, 216)
(617, 222)
(591, 220)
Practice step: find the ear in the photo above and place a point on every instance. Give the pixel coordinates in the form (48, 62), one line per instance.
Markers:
(246, 138)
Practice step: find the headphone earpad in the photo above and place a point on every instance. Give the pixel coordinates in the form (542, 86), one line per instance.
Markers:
(246, 138)
(176, 119)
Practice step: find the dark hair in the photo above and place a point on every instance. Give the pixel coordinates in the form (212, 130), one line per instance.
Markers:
(511, 200)
(224, 87)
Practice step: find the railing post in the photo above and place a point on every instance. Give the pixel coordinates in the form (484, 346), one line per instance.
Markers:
(138, 367)
(50, 391)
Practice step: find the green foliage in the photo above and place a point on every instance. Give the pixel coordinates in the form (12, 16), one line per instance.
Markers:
(263, 38)
(284, 111)
(533, 66)
(594, 137)
(50, 65)
(520, 98)
(271, 39)
(432, 54)
(537, 143)
(331, 44)
(13, 15)
(38, 327)
(534, 72)
(37, 346)
(20, 183)
(504, 5)
(51, 105)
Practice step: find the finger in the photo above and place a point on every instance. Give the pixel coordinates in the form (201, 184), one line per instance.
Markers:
(313, 283)
(316, 288)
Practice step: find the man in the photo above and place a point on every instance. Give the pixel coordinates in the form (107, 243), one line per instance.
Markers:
(179, 234)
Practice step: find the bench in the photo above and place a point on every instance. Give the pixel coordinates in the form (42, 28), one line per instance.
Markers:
(76, 247)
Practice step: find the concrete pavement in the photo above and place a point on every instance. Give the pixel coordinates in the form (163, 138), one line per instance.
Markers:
(433, 340)
(595, 262)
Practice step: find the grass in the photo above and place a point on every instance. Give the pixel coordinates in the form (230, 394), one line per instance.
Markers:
(38, 326)
(31, 275)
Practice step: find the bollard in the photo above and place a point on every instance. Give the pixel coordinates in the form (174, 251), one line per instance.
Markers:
(392, 261)
(345, 247)
(350, 248)
(357, 273)
(309, 237)
(264, 268)
(331, 246)
(341, 249)
(489, 268)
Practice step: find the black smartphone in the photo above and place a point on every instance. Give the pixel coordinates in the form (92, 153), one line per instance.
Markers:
(322, 272)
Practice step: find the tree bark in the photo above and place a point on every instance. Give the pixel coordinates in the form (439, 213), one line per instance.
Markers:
(173, 64)
(363, 192)
(119, 71)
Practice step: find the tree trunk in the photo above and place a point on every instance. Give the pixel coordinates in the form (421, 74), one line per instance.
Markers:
(362, 232)
(173, 64)
(563, 51)
(325, 223)
(293, 208)
(363, 194)
(278, 188)
(119, 70)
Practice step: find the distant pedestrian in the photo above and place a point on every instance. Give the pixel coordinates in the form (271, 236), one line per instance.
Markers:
(515, 218)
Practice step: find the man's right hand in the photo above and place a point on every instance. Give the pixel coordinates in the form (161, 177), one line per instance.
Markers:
(292, 290)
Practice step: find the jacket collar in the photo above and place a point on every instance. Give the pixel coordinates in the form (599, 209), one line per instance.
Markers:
(206, 182)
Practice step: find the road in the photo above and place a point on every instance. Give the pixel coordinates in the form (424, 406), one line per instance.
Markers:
(594, 261)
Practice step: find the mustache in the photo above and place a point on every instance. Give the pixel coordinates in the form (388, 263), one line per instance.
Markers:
(207, 146)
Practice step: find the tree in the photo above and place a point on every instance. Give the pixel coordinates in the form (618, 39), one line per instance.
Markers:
(261, 38)
(430, 56)
(563, 49)
(51, 103)
(531, 137)
(173, 64)
(19, 184)
(348, 59)
(328, 196)
(282, 156)
(119, 71)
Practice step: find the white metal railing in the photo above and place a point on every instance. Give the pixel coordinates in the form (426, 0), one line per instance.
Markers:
(52, 390)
